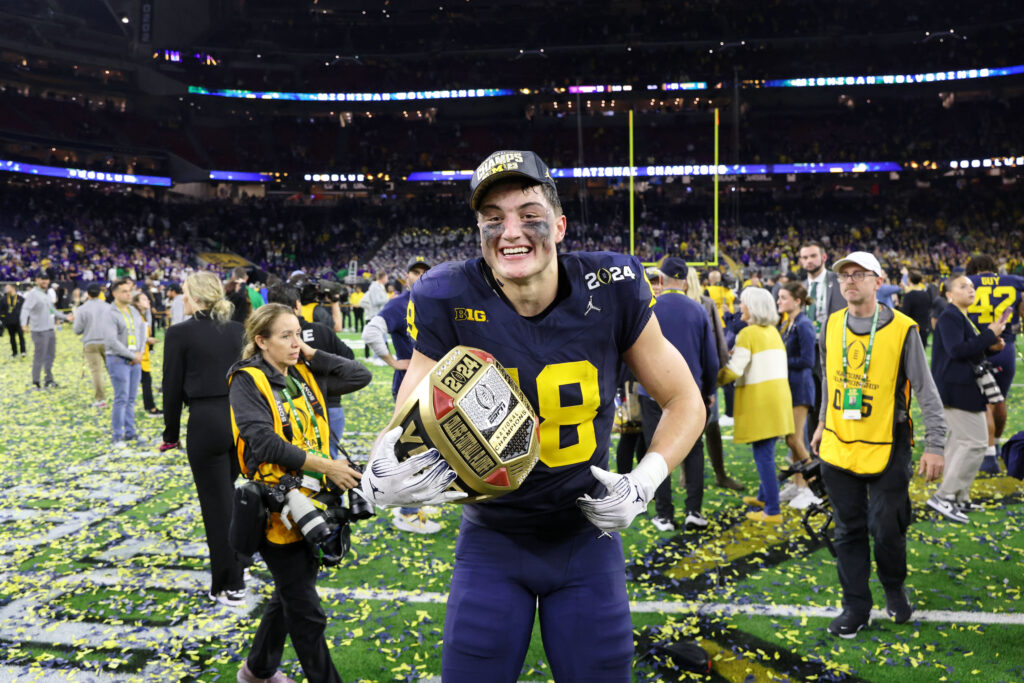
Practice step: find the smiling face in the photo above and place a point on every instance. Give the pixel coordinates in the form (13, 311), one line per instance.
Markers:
(281, 347)
(519, 231)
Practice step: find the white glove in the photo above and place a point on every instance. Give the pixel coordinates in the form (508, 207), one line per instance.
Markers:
(628, 494)
(417, 481)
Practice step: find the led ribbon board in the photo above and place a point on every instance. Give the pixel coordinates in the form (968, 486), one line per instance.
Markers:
(83, 174)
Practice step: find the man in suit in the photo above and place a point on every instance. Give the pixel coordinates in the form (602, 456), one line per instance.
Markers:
(826, 298)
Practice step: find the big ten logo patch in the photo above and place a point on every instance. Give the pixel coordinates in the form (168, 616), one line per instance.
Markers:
(457, 377)
(470, 315)
(855, 353)
(606, 276)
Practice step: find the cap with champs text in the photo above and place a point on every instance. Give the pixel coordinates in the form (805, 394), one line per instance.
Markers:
(507, 164)
(862, 259)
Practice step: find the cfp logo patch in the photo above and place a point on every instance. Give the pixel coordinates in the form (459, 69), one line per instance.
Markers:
(856, 352)
(470, 315)
(606, 276)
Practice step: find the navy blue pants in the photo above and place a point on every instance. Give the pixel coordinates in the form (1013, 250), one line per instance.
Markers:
(500, 580)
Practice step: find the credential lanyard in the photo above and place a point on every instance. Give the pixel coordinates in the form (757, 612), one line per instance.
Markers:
(312, 416)
(129, 321)
(867, 356)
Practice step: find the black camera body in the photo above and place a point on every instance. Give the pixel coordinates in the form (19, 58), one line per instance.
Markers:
(810, 470)
(324, 292)
(327, 530)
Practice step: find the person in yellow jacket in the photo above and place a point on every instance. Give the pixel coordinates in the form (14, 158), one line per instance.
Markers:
(764, 407)
(721, 295)
(279, 420)
(872, 358)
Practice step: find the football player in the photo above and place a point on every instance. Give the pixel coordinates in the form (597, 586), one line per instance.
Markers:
(994, 296)
(562, 325)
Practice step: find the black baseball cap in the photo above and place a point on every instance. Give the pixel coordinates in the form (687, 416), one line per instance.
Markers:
(417, 261)
(507, 164)
(93, 290)
(674, 267)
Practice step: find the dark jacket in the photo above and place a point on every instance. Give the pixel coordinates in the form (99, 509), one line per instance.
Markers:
(254, 418)
(323, 338)
(917, 303)
(10, 312)
(956, 349)
(197, 355)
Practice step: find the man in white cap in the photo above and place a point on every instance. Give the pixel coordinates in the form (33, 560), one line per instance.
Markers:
(871, 357)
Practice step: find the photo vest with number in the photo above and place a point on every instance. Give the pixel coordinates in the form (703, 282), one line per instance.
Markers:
(296, 429)
(863, 446)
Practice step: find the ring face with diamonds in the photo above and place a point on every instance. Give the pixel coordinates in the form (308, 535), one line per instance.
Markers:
(472, 411)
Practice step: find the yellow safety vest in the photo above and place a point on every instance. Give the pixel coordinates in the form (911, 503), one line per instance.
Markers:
(271, 473)
(863, 446)
(723, 298)
(307, 312)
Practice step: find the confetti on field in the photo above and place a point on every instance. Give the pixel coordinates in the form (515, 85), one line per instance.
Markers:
(103, 572)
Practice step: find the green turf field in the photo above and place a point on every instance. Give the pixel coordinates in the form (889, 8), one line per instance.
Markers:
(102, 557)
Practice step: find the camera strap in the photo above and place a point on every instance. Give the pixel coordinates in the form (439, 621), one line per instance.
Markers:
(299, 389)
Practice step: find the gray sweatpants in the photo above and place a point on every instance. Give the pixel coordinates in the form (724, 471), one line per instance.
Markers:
(44, 350)
(966, 441)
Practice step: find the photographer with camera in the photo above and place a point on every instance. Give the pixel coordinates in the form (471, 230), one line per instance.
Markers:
(321, 337)
(966, 386)
(279, 419)
(320, 300)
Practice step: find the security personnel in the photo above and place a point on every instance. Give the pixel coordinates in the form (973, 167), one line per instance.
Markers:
(873, 356)
(280, 425)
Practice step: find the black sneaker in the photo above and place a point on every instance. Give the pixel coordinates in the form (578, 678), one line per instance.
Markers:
(897, 605)
(51, 385)
(847, 624)
(36, 387)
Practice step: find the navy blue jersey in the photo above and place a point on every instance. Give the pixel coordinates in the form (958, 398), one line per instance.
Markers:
(567, 361)
(994, 294)
(394, 315)
(686, 325)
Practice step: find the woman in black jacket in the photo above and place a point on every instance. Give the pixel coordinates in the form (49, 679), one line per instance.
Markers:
(958, 348)
(197, 356)
(279, 412)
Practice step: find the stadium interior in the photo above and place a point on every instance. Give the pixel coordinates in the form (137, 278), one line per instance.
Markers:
(153, 138)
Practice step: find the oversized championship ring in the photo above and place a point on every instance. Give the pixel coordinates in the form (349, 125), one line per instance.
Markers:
(472, 411)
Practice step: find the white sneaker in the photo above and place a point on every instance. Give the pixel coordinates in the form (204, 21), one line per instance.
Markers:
(430, 510)
(726, 421)
(804, 499)
(416, 523)
(120, 445)
(947, 509)
(663, 524)
(695, 520)
(788, 492)
(231, 598)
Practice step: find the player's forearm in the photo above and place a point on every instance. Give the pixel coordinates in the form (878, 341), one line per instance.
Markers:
(681, 424)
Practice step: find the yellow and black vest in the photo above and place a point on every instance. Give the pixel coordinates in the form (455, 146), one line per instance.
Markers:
(295, 429)
(863, 446)
(307, 311)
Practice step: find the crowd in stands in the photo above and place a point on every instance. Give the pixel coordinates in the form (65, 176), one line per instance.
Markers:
(83, 235)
